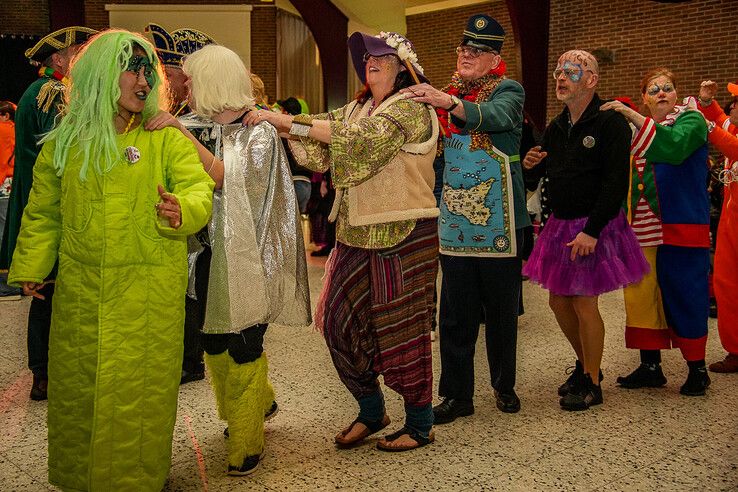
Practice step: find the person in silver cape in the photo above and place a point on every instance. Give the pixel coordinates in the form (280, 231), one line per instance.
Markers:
(257, 272)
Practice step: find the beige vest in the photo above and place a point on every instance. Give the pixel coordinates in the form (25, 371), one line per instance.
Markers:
(403, 189)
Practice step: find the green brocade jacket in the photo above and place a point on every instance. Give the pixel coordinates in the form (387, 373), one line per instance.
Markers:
(35, 116)
(358, 152)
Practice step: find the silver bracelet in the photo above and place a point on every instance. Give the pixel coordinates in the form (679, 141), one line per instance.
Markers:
(299, 129)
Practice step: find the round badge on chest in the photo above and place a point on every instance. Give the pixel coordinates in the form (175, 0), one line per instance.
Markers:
(132, 154)
(588, 141)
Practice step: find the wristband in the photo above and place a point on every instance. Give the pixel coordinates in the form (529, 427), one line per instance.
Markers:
(299, 129)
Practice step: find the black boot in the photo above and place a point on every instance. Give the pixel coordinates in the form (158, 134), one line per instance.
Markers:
(645, 376)
(582, 396)
(697, 382)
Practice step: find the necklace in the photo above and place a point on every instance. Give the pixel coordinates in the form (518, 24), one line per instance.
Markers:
(130, 121)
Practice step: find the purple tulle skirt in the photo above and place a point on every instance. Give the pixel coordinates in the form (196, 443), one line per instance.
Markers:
(616, 262)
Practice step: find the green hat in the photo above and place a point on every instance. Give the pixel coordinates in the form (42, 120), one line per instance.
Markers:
(57, 41)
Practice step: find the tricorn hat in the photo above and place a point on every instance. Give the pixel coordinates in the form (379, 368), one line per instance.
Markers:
(57, 41)
(173, 47)
(482, 31)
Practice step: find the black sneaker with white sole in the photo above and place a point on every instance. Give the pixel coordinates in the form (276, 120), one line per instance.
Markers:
(249, 465)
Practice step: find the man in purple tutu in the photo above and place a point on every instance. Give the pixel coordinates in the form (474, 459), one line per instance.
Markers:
(587, 247)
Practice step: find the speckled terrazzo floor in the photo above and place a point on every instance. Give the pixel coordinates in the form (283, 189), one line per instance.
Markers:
(638, 440)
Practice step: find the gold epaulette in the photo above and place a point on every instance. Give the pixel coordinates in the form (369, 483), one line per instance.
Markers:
(48, 94)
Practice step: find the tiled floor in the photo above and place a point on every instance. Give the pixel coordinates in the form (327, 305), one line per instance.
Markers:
(638, 440)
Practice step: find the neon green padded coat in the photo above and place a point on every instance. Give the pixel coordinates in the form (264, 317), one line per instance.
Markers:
(115, 349)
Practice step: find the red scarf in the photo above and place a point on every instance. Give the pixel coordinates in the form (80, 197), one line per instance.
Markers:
(476, 91)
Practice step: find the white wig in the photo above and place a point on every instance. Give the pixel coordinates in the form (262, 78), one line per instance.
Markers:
(220, 80)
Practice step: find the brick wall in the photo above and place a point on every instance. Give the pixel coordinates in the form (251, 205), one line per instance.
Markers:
(24, 17)
(436, 35)
(697, 40)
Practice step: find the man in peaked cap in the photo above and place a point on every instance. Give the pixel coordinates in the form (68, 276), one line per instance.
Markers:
(37, 110)
(483, 213)
(172, 48)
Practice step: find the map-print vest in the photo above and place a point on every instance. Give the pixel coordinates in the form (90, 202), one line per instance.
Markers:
(477, 216)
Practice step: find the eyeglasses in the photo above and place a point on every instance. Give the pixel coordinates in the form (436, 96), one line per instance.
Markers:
(472, 52)
(378, 57)
(656, 88)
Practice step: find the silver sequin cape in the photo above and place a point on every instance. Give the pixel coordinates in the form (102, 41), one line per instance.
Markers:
(258, 254)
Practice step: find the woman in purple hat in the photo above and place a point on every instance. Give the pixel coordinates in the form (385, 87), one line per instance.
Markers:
(375, 308)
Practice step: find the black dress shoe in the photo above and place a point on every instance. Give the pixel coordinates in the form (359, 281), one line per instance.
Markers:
(38, 390)
(188, 377)
(448, 410)
(507, 401)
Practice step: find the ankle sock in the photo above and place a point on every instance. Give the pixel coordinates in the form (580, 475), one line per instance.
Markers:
(696, 365)
(651, 357)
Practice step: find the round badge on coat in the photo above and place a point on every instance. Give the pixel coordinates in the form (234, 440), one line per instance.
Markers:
(588, 141)
(132, 154)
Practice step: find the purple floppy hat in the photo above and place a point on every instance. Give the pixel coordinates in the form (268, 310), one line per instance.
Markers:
(360, 43)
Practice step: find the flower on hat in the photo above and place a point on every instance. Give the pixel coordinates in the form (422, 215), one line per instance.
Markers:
(404, 48)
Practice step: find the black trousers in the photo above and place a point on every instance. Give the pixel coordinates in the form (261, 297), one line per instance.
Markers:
(243, 347)
(473, 287)
(39, 323)
(195, 316)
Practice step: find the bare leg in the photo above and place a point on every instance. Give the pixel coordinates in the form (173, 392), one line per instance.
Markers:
(568, 320)
(591, 333)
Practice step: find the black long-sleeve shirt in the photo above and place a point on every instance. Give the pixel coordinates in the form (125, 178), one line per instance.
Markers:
(588, 165)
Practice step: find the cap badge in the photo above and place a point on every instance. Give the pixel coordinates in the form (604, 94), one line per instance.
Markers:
(480, 23)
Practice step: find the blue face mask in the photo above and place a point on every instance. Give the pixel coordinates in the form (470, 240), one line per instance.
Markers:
(136, 63)
(573, 71)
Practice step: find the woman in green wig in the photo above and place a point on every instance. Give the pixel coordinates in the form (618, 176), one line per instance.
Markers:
(114, 203)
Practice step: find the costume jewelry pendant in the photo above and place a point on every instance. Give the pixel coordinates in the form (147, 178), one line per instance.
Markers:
(133, 155)
(588, 141)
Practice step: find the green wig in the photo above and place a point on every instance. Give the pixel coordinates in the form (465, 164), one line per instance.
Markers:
(87, 125)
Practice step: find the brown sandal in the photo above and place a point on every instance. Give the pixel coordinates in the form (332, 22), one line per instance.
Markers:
(420, 441)
(371, 428)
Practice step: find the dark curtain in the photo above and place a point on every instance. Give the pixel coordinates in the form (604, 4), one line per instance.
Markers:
(16, 74)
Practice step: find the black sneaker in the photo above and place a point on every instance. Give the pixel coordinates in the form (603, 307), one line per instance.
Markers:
(582, 396)
(448, 410)
(697, 382)
(575, 374)
(645, 376)
(267, 416)
(249, 465)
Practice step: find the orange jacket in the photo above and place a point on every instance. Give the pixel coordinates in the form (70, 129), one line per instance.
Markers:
(7, 149)
(723, 136)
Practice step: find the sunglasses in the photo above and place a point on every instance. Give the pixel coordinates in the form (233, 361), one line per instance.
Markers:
(378, 57)
(138, 62)
(656, 88)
